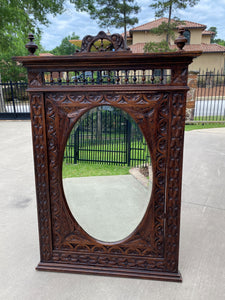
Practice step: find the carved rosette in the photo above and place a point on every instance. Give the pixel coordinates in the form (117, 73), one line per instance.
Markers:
(179, 76)
(35, 79)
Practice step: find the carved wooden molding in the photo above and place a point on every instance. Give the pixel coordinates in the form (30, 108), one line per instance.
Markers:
(70, 108)
(41, 166)
(146, 248)
(151, 251)
(116, 43)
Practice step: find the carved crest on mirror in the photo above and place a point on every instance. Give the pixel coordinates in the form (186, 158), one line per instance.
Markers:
(151, 89)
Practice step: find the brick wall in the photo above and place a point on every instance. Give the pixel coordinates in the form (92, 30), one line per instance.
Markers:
(191, 95)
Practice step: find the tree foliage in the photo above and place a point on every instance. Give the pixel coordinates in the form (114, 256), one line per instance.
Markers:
(220, 42)
(213, 38)
(23, 16)
(157, 47)
(65, 47)
(17, 19)
(111, 13)
(167, 29)
(213, 29)
(9, 69)
(167, 8)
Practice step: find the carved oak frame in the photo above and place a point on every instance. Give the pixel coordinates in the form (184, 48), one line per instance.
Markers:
(152, 250)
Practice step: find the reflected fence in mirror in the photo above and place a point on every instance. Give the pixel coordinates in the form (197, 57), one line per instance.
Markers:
(107, 173)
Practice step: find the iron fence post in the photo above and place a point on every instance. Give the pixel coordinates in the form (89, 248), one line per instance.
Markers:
(76, 146)
(128, 141)
(12, 97)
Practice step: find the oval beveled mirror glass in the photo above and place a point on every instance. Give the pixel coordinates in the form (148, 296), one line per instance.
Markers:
(107, 175)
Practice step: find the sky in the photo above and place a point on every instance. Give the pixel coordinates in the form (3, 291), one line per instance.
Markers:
(207, 12)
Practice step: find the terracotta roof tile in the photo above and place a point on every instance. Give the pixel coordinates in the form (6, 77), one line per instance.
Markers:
(128, 34)
(206, 48)
(208, 32)
(193, 47)
(189, 24)
(156, 23)
(137, 48)
(75, 41)
(212, 48)
(46, 54)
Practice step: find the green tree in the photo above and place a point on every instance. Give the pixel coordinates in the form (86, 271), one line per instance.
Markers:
(9, 69)
(213, 38)
(66, 48)
(220, 42)
(23, 16)
(213, 29)
(17, 19)
(157, 47)
(168, 7)
(110, 13)
(167, 29)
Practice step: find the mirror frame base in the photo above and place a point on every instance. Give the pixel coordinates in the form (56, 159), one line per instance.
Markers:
(52, 267)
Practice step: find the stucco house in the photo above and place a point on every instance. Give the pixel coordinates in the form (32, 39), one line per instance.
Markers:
(212, 58)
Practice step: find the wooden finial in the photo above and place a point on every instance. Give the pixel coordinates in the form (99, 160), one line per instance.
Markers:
(181, 40)
(31, 46)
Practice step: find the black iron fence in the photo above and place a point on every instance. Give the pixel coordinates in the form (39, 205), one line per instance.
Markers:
(209, 102)
(107, 135)
(14, 100)
(210, 97)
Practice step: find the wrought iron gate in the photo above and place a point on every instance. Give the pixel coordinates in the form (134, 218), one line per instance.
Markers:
(14, 101)
(107, 135)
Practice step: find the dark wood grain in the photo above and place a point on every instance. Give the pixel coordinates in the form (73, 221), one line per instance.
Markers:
(152, 250)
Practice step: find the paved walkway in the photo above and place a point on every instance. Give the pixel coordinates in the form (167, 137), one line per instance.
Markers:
(108, 207)
(202, 259)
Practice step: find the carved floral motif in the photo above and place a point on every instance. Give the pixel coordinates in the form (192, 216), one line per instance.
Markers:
(40, 158)
(174, 181)
(112, 261)
(142, 243)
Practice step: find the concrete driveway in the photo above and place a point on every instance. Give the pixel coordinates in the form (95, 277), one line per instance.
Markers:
(202, 248)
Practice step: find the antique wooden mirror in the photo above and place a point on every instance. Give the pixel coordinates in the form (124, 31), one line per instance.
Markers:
(151, 90)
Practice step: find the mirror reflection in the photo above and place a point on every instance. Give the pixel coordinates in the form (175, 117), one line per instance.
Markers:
(107, 175)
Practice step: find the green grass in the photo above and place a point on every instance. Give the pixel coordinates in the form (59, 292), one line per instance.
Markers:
(210, 118)
(96, 169)
(203, 126)
(86, 170)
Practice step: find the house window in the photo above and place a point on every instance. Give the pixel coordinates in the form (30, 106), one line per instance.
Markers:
(187, 34)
